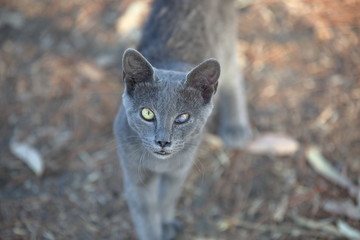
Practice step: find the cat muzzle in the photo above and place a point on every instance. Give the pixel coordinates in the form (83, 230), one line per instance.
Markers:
(163, 153)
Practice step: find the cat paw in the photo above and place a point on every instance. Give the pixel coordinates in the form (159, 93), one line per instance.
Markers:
(236, 137)
(171, 229)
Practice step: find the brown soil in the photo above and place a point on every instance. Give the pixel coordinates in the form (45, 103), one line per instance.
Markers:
(60, 89)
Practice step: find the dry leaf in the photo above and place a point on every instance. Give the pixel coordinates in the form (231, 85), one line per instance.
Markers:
(325, 169)
(273, 143)
(213, 142)
(347, 230)
(133, 18)
(28, 155)
(280, 211)
(90, 71)
(224, 225)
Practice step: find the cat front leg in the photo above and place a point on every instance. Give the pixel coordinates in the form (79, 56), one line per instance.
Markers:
(170, 190)
(142, 199)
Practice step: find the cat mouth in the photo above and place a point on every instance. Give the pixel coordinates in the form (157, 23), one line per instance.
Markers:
(163, 153)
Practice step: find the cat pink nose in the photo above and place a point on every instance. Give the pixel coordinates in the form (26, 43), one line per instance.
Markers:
(163, 143)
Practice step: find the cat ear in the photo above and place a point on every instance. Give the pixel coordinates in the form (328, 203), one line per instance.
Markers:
(204, 77)
(136, 69)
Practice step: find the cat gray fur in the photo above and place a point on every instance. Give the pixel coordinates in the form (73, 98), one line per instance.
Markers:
(168, 79)
(187, 32)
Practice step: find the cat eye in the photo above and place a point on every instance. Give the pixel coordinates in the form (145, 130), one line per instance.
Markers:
(147, 114)
(182, 118)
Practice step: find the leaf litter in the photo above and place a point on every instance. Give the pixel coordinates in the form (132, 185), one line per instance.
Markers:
(29, 155)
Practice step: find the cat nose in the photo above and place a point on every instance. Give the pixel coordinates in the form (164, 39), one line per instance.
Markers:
(163, 143)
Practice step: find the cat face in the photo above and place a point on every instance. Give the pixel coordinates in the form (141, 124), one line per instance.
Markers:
(167, 109)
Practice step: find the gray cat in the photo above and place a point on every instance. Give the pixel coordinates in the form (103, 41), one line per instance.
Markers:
(167, 101)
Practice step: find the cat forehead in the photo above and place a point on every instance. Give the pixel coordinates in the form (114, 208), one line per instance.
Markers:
(169, 76)
(165, 84)
(166, 94)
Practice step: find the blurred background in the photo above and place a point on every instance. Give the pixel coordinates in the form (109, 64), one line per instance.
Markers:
(60, 87)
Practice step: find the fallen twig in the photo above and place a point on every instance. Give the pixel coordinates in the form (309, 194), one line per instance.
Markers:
(285, 228)
(315, 225)
(325, 169)
(342, 207)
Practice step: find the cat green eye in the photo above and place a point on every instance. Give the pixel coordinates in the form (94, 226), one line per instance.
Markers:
(147, 114)
(182, 118)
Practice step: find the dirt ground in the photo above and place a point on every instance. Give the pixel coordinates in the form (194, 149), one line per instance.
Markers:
(60, 89)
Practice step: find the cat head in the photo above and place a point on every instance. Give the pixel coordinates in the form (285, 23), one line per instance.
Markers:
(167, 109)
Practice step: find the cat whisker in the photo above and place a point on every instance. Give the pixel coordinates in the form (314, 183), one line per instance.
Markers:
(110, 146)
(132, 137)
(139, 168)
(199, 168)
(110, 142)
(190, 145)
